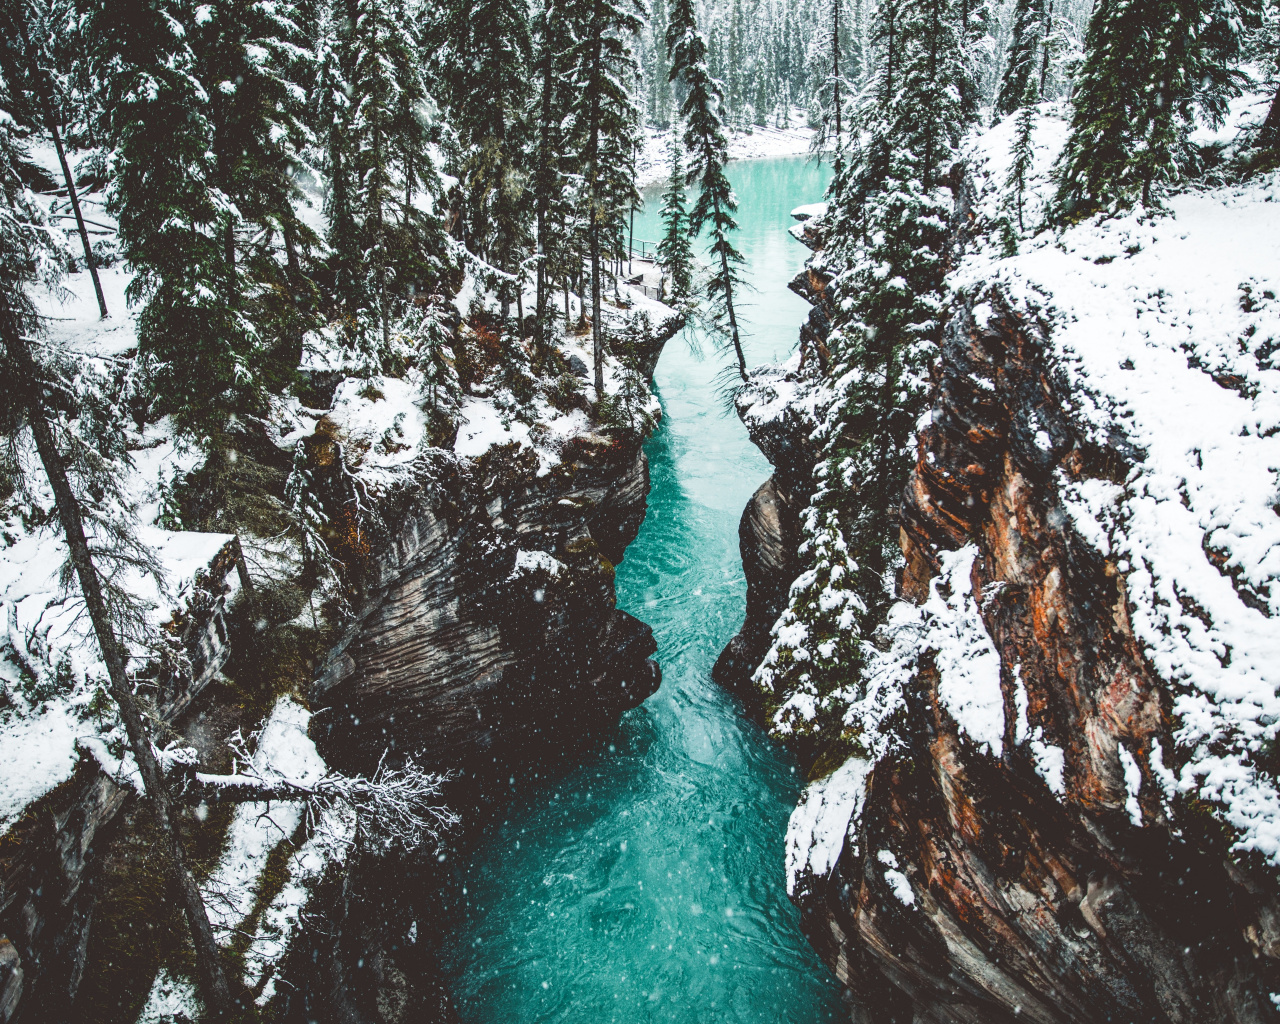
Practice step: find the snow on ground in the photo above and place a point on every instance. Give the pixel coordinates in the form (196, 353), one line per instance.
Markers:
(486, 421)
(50, 667)
(653, 165)
(284, 749)
(1165, 327)
(381, 424)
(232, 890)
(172, 1000)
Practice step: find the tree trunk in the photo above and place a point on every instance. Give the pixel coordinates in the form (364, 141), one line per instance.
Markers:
(1044, 46)
(593, 172)
(213, 980)
(544, 178)
(291, 253)
(229, 252)
(1271, 126)
(51, 122)
(733, 318)
(597, 343)
(835, 65)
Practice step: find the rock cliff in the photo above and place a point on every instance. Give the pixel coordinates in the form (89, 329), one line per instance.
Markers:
(1020, 832)
(491, 638)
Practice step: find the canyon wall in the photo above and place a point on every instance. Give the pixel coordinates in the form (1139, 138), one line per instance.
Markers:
(1046, 869)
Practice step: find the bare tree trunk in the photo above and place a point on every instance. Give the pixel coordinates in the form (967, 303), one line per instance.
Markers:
(1271, 126)
(51, 122)
(213, 980)
(1044, 45)
(544, 178)
(733, 318)
(597, 342)
(229, 252)
(835, 65)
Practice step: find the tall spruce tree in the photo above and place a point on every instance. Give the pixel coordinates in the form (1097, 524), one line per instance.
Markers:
(889, 216)
(605, 75)
(1021, 155)
(1022, 56)
(29, 34)
(704, 138)
(172, 212)
(675, 249)
(39, 392)
(485, 77)
(1151, 68)
(549, 181)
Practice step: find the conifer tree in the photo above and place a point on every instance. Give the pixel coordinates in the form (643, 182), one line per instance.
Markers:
(888, 223)
(28, 36)
(401, 245)
(1150, 66)
(172, 213)
(1022, 154)
(485, 79)
(605, 73)
(675, 249)
(1021, 57)
(549, 182)
(1267, 49)
(35, 387)
(708, 151)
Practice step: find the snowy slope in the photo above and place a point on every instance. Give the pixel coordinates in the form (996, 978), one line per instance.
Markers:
(1165, 327)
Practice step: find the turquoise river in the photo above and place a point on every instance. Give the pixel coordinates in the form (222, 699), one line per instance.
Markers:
(648, 884)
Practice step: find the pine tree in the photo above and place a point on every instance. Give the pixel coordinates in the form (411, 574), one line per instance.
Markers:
(675, 249)
(250, 59)
(28, 34)
(1265, 49)
(171, 214)
(485, 78)
(549, 182)
(974, 20)
(889, 216)
(400, 249)
(1021, 58)
(605, 72)
(1150, 67)
(708, 150)
(1022, 155)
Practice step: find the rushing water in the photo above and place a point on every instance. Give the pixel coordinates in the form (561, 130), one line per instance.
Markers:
(648, 885)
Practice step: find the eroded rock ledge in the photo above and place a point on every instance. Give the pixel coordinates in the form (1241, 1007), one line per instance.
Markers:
(491, 634)
(979, 885)
(1032, 905)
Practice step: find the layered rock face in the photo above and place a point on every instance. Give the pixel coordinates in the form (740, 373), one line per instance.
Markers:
(491, 635)
(1030, 858)
(1028, 878)
(769, 531)
(1023, 904)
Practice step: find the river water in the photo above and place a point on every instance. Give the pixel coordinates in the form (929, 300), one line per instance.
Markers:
(648, 885)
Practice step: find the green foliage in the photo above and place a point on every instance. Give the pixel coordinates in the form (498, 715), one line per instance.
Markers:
(1021, 158)
(888, 229)
(675, 249)
(704, 138)
(1021, 58)
(1151, 69)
